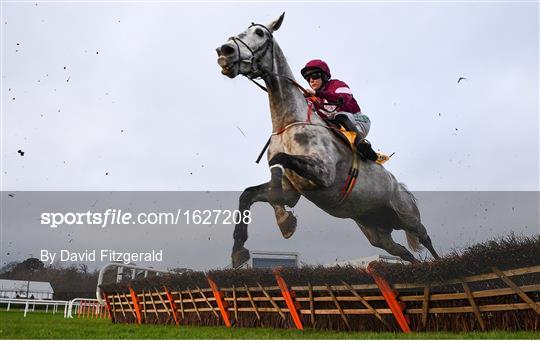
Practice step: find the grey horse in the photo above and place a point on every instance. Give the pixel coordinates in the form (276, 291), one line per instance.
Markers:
(306, 158)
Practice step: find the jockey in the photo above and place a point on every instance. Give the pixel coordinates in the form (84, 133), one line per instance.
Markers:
(340, 104)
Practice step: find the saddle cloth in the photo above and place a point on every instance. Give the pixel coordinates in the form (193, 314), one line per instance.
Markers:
(348, 138)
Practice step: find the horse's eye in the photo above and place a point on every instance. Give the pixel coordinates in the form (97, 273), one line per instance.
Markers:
(259, 32)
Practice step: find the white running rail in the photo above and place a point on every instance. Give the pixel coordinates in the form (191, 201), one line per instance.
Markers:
(120, 269)
(28, 302)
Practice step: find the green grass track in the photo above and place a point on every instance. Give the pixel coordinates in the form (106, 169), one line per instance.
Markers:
(38, 325)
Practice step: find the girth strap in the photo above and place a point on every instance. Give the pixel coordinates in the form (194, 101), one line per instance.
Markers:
(351, 178)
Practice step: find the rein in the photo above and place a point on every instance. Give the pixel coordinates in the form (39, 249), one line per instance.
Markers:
(269, 43)
(290, 125)
(293, 82)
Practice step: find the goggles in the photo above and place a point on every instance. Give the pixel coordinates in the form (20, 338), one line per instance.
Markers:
(313, 75)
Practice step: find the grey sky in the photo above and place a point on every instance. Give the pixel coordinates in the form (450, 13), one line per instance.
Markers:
(156, 78)
(146, 107)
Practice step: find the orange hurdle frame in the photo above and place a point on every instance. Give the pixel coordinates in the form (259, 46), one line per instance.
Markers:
(135, 301)
(390, 297)
(173, 305)
(287, 295)
(222, 305)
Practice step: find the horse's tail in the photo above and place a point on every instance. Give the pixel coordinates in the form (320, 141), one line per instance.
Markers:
(413, 242)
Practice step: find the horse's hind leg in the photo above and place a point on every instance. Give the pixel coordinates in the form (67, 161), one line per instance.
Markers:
(416, 232)
(382, 238)
(409, 220)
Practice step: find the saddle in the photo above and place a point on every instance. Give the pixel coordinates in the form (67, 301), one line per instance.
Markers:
(348, 137)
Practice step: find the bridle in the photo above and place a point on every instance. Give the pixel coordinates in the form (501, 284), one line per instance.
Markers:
(261, 50)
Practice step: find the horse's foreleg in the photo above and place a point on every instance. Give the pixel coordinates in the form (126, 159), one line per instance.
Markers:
(286, 219)
(309, 167)
(250, 195)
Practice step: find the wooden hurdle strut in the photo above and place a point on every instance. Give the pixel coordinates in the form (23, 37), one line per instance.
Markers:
(288, 296)
(108, 305)
(390, 297)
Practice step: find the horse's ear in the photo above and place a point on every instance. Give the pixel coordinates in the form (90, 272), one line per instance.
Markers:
(276, 24)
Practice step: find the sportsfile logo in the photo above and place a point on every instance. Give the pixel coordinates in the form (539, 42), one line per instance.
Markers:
(120, 217)
(103, 219)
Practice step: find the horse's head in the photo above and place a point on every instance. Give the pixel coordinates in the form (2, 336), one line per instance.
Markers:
(250, 53)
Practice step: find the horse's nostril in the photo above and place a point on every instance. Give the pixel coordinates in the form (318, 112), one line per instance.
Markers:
(227, 49)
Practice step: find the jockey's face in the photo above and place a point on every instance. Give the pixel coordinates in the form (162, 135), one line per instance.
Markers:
(315, 84)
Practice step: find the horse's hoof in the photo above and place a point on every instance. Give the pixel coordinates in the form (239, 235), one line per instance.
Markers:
(287, 225)
(239, 257)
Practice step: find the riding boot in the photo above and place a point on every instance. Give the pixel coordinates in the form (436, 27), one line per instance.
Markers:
(363, 147)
